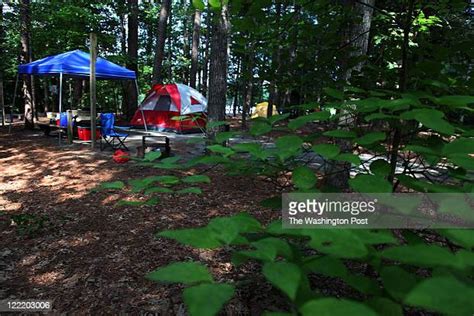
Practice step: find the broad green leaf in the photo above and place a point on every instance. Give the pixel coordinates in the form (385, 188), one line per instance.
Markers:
(328, 151)
(421, 150)
(273, 202)
(259, 128)
(459, 146)
(287, 146)
(216, 4)
(181, 272)
(192, 190)
(199, 5)
(198, 178)
(214, 124)
(335, 307)
(225, 151)
(166, 180)
(430, 118)
(380, 167)
(277, 246)
(364, 183)
(115, 185)
(375, 237)
(207, 299)
(423, 255)
(326, 265)
(302, 120)
(423, 186)
(339, 133)
(351, 158)
(158, 190)
(139, 185)
(285, 276)
(339, 243)
(455, 100)
(276, 118)
(223, 136)
(445, 295)
(397, 282)
(196, 237)
(384, 306)
(461, 237)
(463, 160)
(379, 116)
(227, 229)
(304, 178)
(370, 138)
(152, 155)
(247, 147)
(336, 94)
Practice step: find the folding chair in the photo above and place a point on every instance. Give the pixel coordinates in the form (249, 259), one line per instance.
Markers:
(108, 133)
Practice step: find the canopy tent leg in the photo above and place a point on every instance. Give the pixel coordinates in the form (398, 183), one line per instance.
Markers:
(141, 110)
(60, 106)
(13, 104)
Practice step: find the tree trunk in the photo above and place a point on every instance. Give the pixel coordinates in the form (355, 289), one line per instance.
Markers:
(46, 95)
(218, 67)
(340, 172)
(77, 92)
(185, 74)
(132, 58)
(25, 57)
(360, 32)
(2, 99)
(276, 57)
(235, 102)
(170, 43)
(195, 48)
(205, 67)
(160, 42)
(248, 78)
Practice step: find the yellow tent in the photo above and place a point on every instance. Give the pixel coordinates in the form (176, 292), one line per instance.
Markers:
(261, 110)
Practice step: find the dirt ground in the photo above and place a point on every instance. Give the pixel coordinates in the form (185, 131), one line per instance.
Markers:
(91, 256)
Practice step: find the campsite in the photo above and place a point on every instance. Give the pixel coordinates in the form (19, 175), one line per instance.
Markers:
(277, 157)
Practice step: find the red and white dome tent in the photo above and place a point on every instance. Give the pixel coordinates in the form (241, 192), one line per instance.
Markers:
(172, 107)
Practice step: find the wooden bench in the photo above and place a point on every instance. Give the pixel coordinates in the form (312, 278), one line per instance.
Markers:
(151, 143)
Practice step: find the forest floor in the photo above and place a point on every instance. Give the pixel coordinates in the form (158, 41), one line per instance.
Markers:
(90, 256)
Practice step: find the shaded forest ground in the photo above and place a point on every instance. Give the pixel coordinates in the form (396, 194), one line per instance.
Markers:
(91, 256)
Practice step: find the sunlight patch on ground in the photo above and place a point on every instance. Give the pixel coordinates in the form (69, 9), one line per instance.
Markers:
(47, 278)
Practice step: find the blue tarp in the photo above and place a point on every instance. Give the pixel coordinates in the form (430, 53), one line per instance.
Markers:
(75, 63)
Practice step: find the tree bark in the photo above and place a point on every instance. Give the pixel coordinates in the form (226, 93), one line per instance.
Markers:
(218, 67)
(276, 58)
(160, 42)
(205, 66)
(132, 58)
(186, 49)
(339, 173)
(195, 48)
(248, 93)
(2, 99)
(361, 32)
(25, 57)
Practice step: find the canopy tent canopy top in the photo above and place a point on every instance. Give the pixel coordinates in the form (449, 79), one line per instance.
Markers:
(76, 63)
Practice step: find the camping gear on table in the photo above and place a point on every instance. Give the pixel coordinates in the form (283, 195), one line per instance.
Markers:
(172, 107)
(111, 137)
(261, 110)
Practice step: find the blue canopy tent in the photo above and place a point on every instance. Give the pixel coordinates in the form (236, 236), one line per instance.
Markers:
(75, 63)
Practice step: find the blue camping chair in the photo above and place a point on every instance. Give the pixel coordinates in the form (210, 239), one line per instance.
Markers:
(108, 133)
